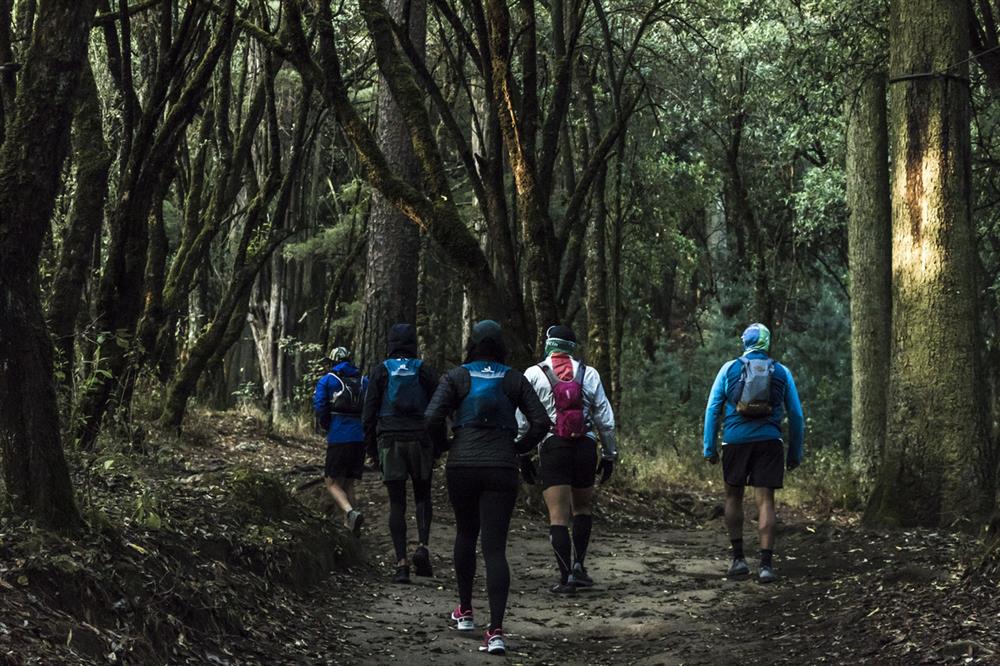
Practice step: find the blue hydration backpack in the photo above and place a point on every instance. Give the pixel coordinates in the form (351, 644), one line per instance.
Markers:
(755, 387)
(486, 405)
(404, 394)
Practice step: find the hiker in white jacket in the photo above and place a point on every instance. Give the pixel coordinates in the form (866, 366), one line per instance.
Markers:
(580, 411)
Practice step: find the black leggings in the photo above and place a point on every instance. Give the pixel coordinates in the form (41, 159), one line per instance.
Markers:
(483, 499)
(397, 513)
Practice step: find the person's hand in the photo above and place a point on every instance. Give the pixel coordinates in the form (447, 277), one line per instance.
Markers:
(606, 468)
(712, 459)
(528, 472)
(791, 464)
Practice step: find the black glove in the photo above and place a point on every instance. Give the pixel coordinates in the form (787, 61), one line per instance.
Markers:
(791, 464)
(528, 471)
(605, 468)
(712, 459)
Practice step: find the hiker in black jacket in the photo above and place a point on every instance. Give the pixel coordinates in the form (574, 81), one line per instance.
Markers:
(481, 397)
(398, 392)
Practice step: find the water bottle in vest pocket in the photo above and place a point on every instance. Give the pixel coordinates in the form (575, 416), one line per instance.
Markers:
(568, 397)
(486, 405)
(404, 395)
(755, 395)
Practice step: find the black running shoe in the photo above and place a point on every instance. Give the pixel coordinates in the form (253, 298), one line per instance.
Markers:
(422, 562)
(563, 588)
(579, 577)
(402, 575)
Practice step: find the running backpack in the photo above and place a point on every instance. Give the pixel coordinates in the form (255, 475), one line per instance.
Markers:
(568, 397)
(486, 404)
(350, 398)
(755, 395)
(404, 394)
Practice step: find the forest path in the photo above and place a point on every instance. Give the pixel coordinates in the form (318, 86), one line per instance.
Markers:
(661, 595)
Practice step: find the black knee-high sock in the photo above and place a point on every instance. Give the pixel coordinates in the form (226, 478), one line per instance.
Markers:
(581, 535)
(559, 538)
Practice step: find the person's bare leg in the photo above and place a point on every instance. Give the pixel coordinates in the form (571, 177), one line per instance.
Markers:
(336, 489)
(734, 511)
(559, 500)
(766, 517)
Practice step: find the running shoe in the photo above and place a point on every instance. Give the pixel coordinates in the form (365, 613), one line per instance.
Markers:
(579, 577)
(402, 574)
(463, 619)
(739, 567)
(563, 588)
(493, 642)
(354, 521)
(767, 575)
(422, 562)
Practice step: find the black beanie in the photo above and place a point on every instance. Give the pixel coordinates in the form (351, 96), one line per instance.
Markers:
(486, 342)
(561, 332)
(402, 341)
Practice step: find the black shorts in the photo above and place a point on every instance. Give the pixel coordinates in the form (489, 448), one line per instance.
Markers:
(405, 458)
(568, 462)
(345, 461)
(758, 464)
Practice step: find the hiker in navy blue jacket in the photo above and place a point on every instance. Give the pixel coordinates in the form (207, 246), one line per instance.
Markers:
(399, 389)
(337, 402)
(753, 394)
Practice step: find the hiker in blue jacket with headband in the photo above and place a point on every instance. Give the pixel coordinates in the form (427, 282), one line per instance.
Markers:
(752, 394)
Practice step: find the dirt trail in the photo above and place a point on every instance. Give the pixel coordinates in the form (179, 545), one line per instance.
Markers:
(659, 594)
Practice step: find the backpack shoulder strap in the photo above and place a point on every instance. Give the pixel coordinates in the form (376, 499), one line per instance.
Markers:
(549, 374)
(581, 372)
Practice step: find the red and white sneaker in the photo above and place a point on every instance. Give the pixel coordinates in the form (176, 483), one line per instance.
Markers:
(463, 619)
(493, 642)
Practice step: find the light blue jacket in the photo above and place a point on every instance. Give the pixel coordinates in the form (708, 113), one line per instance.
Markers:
(738, 429)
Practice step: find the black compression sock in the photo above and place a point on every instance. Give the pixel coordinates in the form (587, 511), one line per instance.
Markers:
(559, 538)
(737, 549)
(765, 557)
(582, 524)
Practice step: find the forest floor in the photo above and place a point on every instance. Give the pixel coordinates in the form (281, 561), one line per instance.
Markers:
(197, 553)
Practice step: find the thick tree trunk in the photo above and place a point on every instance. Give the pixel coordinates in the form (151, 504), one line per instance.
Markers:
(93, 160)
(598, 321)
(870, 254)
(31, 158)
(935, 469)
(390, 289)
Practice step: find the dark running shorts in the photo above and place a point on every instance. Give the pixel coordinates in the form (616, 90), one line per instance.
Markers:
(403, 459)
(568, 462)
(345, 461)
(758, 464)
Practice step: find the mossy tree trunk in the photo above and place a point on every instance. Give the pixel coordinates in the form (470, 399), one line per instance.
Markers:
(36, 143)
(937, 467)
(391, 275)
(870, 255)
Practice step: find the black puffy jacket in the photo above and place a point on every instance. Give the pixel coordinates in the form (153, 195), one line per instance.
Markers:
(474, 446)
(402, 344)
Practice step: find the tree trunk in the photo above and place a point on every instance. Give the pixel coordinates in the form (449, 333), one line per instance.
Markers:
(936, 467)
(391, 276)
(870, 256)
(34, 468)
(93, 160)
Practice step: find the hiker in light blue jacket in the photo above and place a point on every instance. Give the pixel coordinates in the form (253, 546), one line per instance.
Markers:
(752, 395)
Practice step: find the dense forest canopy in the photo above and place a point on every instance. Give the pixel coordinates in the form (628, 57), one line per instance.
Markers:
(199, 199)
